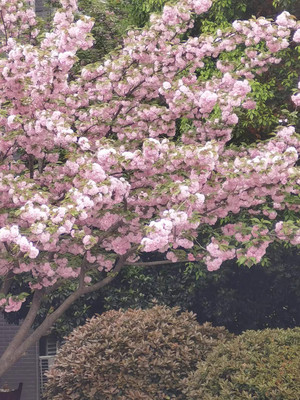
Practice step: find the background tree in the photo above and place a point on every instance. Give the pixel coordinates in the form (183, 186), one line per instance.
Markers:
(112, 19)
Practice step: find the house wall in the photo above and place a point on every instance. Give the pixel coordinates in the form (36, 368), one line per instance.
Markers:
(25, 370)
(41, 9)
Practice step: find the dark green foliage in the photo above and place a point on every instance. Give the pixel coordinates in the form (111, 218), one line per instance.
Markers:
(111, 21)
(138, 287)
(137, 354)
(234, 296)
(142, 9)
(260, 297)
(261, 365)
(221, 12)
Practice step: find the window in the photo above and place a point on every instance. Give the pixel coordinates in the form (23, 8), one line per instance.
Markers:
(48, 349)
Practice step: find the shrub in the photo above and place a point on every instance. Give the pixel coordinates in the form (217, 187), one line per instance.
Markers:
(137, 354)
(262, 365)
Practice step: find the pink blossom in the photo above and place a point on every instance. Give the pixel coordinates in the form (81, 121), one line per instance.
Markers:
(213, 264)
(13, 305)
(24, 244)
(191, 257)
(284, 20)
(171, 256)
(120, 245)
(201, 6)
(232, 119)
(296, 99)
(33, 252)
(296, 37)
(241, 88)
(86, 240)
(249, 104)
(278, 226)
(4, 234)
(207, 101)
(84, 143)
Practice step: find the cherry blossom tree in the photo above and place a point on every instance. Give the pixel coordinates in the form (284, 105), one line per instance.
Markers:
(94, 171)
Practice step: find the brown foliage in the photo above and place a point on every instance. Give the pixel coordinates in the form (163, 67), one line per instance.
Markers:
(131, 355)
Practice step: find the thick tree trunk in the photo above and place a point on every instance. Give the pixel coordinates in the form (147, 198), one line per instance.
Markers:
(23, 339)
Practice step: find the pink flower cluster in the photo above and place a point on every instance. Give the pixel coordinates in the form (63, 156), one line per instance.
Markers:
(168, 230)
(218, 252)
(11, 304)
(12, 235)
(296, 96)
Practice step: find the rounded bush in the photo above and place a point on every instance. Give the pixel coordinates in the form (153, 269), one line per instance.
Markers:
(261, 365)
(131, 355)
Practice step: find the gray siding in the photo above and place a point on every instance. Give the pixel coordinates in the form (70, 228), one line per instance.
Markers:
(42, 10)
(25, 370)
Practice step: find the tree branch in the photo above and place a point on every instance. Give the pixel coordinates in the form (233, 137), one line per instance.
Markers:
(31, 165)
(18, 339)
(7, 283)
(82, 273)
(155, 263)
(119, 264)
(110, 230)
